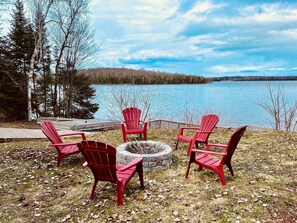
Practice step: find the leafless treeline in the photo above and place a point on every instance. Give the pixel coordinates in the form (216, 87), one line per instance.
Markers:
(130, 76)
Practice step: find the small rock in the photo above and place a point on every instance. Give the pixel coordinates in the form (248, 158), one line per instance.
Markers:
(66, 218)
(114, 216)
(186, 219)
(175, 213)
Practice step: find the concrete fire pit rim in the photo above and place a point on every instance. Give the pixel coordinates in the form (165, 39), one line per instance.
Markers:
(167, 149)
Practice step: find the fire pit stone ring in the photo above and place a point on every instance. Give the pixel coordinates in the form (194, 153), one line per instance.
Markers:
(156, 155)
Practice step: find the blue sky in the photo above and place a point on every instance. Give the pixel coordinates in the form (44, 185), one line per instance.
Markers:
(197, 37)
(205, 37)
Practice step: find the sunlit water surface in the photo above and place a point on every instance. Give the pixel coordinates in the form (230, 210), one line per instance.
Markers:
(236, 103)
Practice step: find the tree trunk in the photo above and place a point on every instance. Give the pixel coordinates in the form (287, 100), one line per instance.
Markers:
(37, 49)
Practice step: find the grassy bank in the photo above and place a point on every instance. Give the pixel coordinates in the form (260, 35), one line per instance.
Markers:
(264, 188)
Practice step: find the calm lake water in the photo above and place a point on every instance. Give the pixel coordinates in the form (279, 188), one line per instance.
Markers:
(236, 103)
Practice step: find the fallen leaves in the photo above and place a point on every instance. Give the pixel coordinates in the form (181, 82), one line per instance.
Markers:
(32, 188)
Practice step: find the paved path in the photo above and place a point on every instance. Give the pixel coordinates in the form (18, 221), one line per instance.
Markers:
(8, 134)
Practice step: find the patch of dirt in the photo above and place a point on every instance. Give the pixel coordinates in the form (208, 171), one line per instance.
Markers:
(19, 124)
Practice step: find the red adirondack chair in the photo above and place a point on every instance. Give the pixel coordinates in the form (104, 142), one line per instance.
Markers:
(208, 158)
(208, 123)
(101, 159)
(63, 148)
(132, 123)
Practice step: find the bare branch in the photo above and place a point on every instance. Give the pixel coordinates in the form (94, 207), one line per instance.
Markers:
(283, 114)
(123, 98)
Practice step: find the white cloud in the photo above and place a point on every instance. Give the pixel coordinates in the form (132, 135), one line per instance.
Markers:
(267, 13)
(231, 68)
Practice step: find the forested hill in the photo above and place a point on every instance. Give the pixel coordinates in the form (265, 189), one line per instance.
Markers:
(130, 76)
(254, 78)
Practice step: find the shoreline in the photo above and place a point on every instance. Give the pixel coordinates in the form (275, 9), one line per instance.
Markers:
(68, 124)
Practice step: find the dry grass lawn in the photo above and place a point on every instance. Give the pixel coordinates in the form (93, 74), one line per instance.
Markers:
(264, 189)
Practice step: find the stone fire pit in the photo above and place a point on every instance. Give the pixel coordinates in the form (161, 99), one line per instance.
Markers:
(156, 155)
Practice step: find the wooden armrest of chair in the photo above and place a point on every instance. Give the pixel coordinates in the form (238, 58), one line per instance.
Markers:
(207, 148)
(208, 152)
(64, 144)
(132, 163)
(75, 133)
(181, 130)
(192, 128)
(205, 132)
(216, 145)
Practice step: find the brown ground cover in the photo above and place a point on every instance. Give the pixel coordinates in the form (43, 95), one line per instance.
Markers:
(33, 189)
(19, 124)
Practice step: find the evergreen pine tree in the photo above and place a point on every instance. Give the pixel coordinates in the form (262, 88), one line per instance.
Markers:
(20, 45)
(5, 81)
(78, 101)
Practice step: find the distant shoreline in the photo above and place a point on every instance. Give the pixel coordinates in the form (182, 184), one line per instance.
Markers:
(118, 76)
(253, 78)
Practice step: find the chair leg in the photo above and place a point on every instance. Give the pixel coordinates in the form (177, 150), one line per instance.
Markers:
(145, 135)
(120, 193)
(59, 159)
(228, 164)
(124, 137)
(93, 189)
(197, 144)
(222, 176)
(200, 168)
(191, 160)
(124, 133)
(176, 144)
(139, 170)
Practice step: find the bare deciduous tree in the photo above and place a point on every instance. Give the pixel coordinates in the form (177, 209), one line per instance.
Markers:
(82, 49)
(39, 10)
(67, 15)
(283, 114)
(122, 98)
(192, 115)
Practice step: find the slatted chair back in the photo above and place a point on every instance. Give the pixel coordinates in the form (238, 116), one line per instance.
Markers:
(50, 131)
(232, 144)
(208, 123)
(131, 117)
(101, 159)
